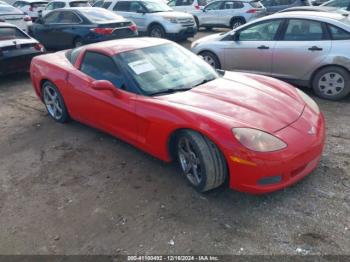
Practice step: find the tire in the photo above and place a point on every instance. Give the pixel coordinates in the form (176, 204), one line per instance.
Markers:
(211, 59)
(197, 23)
(54, 102)
(200, 160)
(156, 31)
(236, 22)
(78, 42)
(332, 83)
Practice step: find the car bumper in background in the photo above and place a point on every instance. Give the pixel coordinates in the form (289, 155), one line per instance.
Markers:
(259, 173)
(183, 33)
(16, 61)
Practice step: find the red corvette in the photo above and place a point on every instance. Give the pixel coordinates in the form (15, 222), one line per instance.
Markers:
(260, 133)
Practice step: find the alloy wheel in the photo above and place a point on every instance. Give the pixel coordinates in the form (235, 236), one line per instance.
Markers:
(52, 102)
(156, 32)
(331, 84)
(210, 60)
(189, 161)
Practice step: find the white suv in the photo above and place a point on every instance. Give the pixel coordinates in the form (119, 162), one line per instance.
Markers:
(154, 18)
(229, 13)
(31, 7)
(55, 4)
(187, 5)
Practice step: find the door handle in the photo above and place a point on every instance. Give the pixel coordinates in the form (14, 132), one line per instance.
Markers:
(315, 48)
(263, 47)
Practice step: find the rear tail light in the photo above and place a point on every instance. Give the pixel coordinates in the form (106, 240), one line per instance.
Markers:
(39, 47)
(252, 11)
(27, 18)
(133, 28)
(196, 6)
(102, 31)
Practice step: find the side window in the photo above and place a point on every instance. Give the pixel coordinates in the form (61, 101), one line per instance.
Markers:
(67, 17)
(101, 67)
(122, 6)
(52, 18)
(57, 5)
(214, 6)
(338, 33)
(172, 3)
(265, 31)
(233, 5)
(98, 4)
(184, 2)
(106, 5)
(17, 4)
(49, 6)
(136, 6)
(303, 30)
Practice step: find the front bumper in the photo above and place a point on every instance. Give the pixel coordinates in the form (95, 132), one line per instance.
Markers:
(183, 33)
(268, 172)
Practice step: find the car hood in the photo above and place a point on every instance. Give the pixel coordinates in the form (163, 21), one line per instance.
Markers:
(245, 100)
(209, 38)
(173, 14)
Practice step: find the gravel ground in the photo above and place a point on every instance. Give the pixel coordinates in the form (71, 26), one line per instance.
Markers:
(70, 189)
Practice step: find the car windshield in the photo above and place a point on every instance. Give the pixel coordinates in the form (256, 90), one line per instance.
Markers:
(343, 4)
(7, 9)
(166, 68)
(10, 33)
(154, 7)
(79, 4)
(97, 15)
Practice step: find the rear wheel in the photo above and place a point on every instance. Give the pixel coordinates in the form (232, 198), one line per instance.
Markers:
(78, 42)
(332, 83)
(54, 102)
(236, 22)
(156, 31)
(201, 161)
(211, 59)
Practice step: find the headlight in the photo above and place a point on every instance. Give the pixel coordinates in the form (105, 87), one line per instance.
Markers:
(257, 140)
(309, 101)
(171, 19)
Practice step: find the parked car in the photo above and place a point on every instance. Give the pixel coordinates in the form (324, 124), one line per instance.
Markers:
(305, 48)
(56, 4)
(16, 49)
(73, 27)
(187, 6)
(166, 101)
(12, 15)
(228, 13)
(273, 6)
(341, 4)
(155, 18)
(31, 7)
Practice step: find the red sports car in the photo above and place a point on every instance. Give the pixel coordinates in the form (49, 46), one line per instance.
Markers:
(260, 133)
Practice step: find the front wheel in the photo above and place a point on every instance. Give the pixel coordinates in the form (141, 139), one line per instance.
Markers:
(211, 59)
(201, 161)
(156, 31)
(54, 102)
(332, 83)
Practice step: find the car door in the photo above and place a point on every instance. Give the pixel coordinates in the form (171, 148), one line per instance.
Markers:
(303, 46)
(44, 30)
(132, 10)
(101, 108)
(252, 47)
(210, 13)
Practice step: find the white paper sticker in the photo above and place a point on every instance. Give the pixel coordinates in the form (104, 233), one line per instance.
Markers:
(141, 66)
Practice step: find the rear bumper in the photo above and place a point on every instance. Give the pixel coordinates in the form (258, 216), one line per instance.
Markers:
(273, 171)
(117, 35)
(12, 62)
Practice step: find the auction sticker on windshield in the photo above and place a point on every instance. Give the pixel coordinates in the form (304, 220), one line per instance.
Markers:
(141, 66)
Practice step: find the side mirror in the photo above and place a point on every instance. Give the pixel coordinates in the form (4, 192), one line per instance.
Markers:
(104, 85)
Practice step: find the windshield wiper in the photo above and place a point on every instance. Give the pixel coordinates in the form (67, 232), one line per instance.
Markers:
(170, 91)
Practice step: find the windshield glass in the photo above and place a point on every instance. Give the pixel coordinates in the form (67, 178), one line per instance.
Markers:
(166, 68)
(79, 4)
(10, 33)
(343, 4)
(154, 7)
(97, 15)
(7, 9)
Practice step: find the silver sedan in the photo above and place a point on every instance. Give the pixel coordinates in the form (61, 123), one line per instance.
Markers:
(305, 48)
